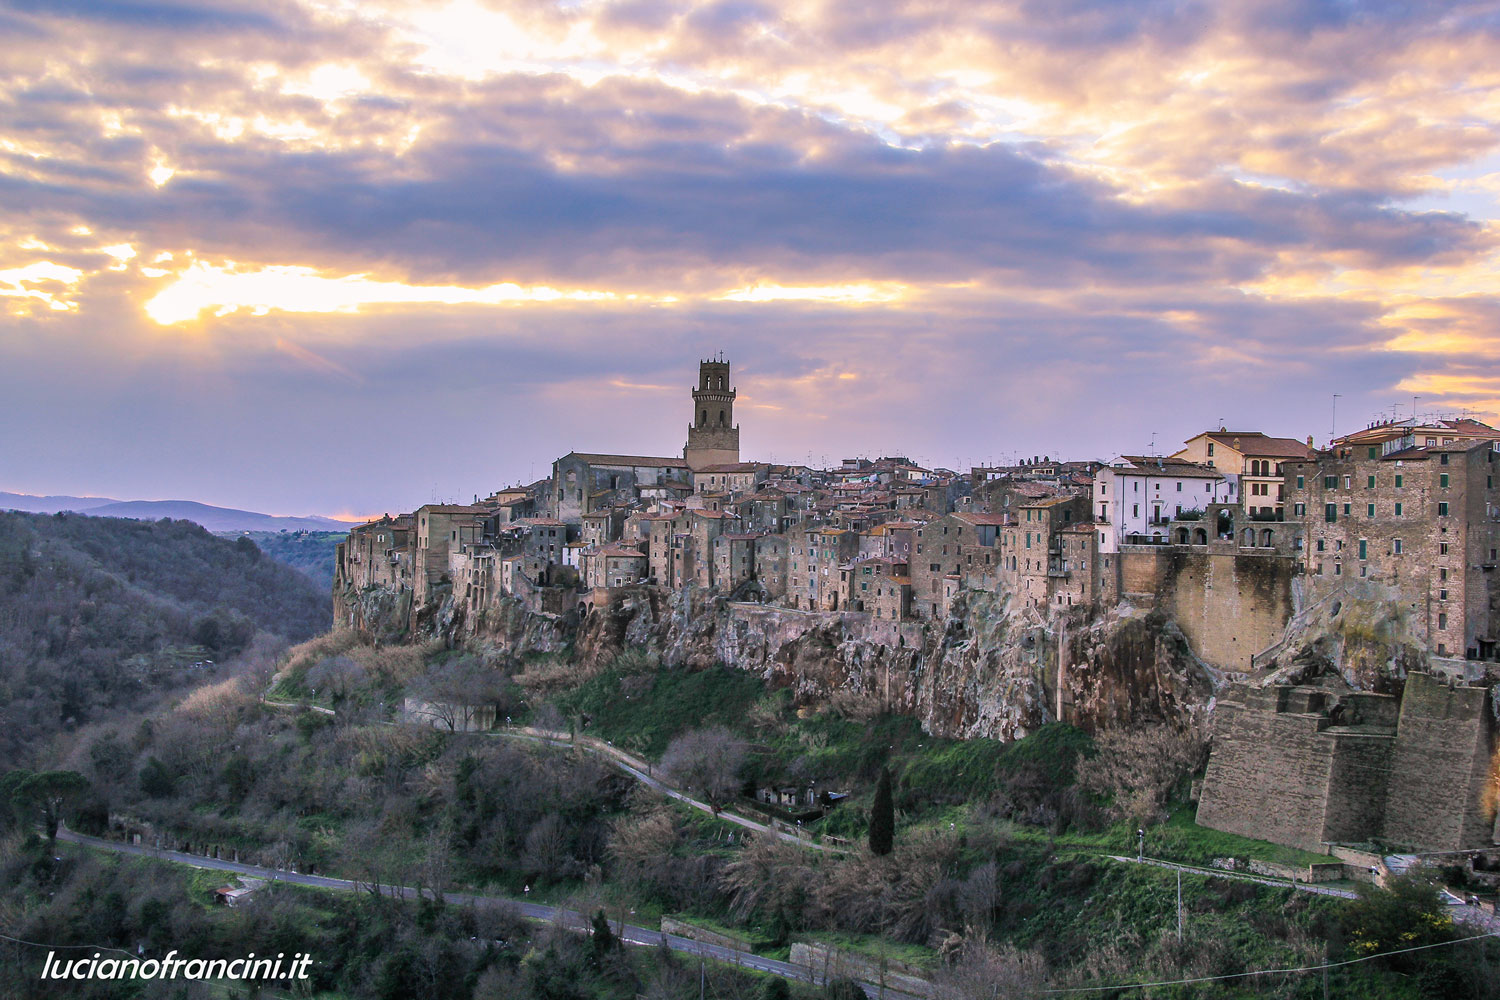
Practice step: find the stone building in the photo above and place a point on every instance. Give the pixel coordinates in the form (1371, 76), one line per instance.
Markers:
(733, 479)
(613, 565)
(1424, 520)
(771, 565)
(441, 528)
(733, 559)
(583, 482)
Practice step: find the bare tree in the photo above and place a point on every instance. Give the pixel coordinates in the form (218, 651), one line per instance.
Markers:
(1138, 768)
(458, 691)
(707, 761)
(335, 676)
(987, 972)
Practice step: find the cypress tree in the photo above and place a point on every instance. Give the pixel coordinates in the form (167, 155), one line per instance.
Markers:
(883, 816)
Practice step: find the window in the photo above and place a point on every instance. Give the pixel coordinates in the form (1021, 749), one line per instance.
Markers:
(1442, 508)
(1179, 487)
(1443, 458)
(1338, 569)
(1346, 510)
(1398, 508)
(1398, 480)
(1396, 546)
(1371, 510)
(1330, 482)
(1443, 574)
(1442, 619)
(1369, 482)
(1443, 480)
(1330, 512)
(1299, 509)
(1364, 548)
(1442, 595)
(1442, 548)
(1210, 448)
(1135, 510)
(1301, 482)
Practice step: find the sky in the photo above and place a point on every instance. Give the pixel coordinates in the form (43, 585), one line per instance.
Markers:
(326, 256)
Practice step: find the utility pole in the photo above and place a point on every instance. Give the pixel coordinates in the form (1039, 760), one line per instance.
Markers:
(1179, 906)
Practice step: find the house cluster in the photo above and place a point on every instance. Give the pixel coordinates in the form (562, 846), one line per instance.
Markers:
(1410, 503)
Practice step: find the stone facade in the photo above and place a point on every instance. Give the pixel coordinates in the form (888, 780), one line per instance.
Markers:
(1424, 520)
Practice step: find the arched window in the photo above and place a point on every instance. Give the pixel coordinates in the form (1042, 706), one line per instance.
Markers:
(721, 416)
(1265, 537)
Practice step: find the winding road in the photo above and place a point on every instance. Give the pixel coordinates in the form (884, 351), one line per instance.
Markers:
(630, 933)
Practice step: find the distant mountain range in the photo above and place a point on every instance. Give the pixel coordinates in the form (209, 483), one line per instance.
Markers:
(219, 519)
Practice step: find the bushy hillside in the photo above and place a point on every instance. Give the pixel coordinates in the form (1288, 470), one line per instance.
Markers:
(311, 552)
(97, 613)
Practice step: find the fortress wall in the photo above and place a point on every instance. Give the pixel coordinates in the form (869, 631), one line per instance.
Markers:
(1356, 785)
(1439, 768)
(1230, 604)
(1268, 776)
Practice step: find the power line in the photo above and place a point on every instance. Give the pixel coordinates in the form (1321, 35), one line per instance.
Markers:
(87, 947)
(1268, 972)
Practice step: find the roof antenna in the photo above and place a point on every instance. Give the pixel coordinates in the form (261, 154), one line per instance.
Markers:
(1333, 420)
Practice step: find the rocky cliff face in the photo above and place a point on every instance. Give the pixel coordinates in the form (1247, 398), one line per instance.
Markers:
(1355, 634)
(989, 669)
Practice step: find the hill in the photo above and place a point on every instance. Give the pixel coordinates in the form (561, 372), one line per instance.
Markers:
(311, 552)
(221, 519)
(98, 614)
(50, 504)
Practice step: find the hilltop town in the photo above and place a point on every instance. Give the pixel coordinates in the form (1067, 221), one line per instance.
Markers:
(1097, 592)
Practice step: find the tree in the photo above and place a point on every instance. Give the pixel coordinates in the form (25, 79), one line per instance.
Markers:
(44, 795)
(1136, 769)
(883, 816)
(707, 761)
(156, 780)
(604, 939)
(986, 972)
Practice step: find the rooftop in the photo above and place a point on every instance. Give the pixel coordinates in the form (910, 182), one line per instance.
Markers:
(628, 461)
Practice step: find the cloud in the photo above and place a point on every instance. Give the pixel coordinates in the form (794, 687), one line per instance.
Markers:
(1066, 218)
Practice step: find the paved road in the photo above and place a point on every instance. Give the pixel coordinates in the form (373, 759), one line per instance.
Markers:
(1280, 883)
(632, 765)
(631, 933)
(640, 770)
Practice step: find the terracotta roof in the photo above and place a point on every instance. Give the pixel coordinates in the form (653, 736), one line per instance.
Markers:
(734, 467)
(1259, 445)
(543, 522)
(616, 550)
(1169, 466)
(1051, 501)
(983, 519)
(629, 461)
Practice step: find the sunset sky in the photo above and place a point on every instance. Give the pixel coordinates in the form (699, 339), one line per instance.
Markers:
(342, 257)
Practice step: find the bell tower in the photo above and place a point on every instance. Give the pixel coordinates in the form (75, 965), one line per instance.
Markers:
(713, 438)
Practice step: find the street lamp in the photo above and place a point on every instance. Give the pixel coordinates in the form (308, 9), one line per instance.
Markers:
(1140, 854)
